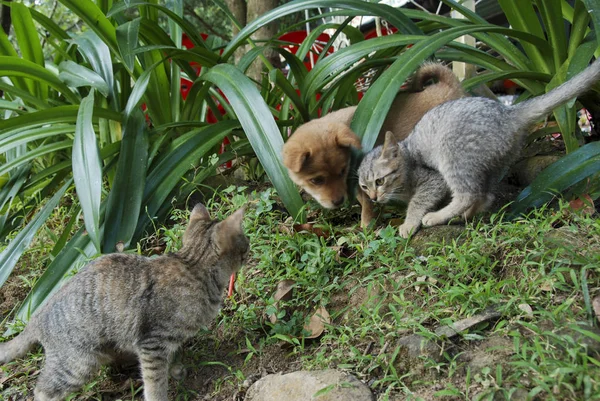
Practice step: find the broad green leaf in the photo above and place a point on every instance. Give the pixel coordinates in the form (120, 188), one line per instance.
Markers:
(10, 256)
(260, 128)
(55, 115)
(87, 169)
(95, 19)
(76, 75)
(593, 7)
(17, 67)
(127, 40)
(35, 153)
(12, 139)
(125, 197)
(559, 176)
(97, 54)
(579, 28)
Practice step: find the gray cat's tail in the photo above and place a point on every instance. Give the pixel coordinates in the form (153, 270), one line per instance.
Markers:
(18, 346)
(539, 107)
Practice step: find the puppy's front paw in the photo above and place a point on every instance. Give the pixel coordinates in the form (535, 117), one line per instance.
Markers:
(407, 229)
(433, 219)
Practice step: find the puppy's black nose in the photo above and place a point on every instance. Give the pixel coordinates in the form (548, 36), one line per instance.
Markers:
(338, 202)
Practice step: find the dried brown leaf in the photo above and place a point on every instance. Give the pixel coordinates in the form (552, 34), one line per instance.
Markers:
(285, 290)
(317, 322)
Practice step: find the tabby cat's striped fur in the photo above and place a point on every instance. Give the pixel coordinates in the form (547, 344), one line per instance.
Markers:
(133, 305)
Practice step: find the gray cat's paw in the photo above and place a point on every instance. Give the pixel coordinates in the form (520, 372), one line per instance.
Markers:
(178, 371)
(407, 229)
(434, 219)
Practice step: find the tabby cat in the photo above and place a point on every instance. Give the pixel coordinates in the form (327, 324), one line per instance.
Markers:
(123, 304)
(462, 148)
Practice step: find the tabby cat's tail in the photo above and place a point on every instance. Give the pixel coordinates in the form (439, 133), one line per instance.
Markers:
(18, 346)
(539, 107)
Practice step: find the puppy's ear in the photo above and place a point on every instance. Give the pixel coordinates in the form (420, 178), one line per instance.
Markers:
(390, 146)
(294, 157)
(344, 136)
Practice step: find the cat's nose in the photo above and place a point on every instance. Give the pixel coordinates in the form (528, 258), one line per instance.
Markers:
(338, 202)
(373, 196)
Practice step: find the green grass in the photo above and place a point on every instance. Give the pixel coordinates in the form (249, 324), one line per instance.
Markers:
(378, 288)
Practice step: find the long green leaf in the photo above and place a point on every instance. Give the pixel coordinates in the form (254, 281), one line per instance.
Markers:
(125, 198)
(260, 128)
(522, 16)
(29, 42)
(87, 169)
(12, 139)
(551, 13)
(34, 154)
(10, 256)
(55, 115)
(559, 176)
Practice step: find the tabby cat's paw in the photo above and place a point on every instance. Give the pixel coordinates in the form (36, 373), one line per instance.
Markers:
(433, 219)
(407, 229)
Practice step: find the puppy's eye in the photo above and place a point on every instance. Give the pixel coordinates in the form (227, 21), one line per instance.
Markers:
(317, 180)
(379, 182)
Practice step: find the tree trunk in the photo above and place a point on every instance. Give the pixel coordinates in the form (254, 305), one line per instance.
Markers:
(5, 18)
(256, 8)
(238, 9)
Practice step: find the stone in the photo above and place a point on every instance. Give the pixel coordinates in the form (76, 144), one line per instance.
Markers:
(319, 385)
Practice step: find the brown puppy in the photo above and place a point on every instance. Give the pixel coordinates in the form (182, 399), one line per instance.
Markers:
(317, 155)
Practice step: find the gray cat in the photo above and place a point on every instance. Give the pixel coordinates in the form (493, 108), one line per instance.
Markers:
(126, 304)
(459, 148)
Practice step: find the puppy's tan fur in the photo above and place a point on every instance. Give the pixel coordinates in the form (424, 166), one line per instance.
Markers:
(317, 155)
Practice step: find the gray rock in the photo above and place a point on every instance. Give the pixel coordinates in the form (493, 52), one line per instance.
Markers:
(320, 385)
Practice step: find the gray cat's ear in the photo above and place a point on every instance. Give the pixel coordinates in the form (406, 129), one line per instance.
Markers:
(199, 212)
(227, 229)
(390, 146)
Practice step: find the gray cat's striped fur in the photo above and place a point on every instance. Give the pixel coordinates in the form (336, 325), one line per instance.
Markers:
(459, 148)
(132, 305)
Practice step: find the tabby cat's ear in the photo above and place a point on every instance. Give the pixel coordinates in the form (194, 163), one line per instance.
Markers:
(226, 231)
(390, 146)
(199, 212)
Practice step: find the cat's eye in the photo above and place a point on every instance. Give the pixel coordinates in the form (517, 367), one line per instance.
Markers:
(317, 180)
(379, 182)
(364, 187)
